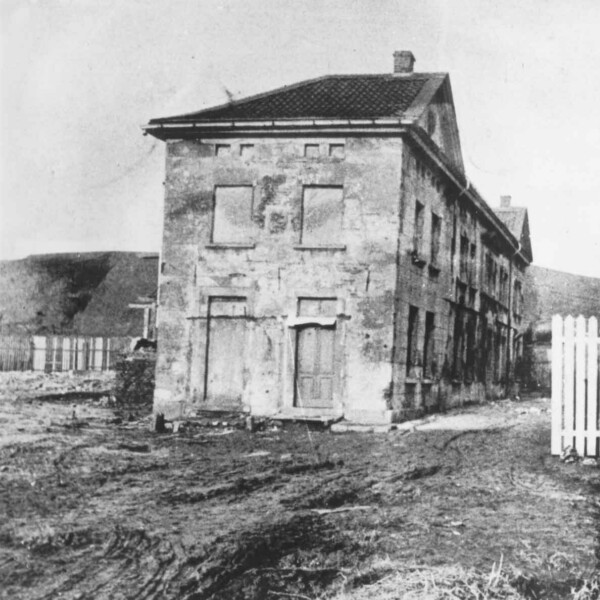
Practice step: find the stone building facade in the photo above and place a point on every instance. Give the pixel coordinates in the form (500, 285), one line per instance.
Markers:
(324, 254)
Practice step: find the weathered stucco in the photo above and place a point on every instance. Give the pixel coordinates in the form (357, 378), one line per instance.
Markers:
(391, 281)
(275, 270)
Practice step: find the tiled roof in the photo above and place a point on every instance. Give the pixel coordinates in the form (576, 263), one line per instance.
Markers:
(517, 222)
(330, 97)
(513, 218)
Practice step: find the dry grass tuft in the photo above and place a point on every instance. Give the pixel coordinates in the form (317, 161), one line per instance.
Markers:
(589, 589)
(438, 583)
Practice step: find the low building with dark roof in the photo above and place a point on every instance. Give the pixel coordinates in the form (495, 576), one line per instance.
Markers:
(325, 255)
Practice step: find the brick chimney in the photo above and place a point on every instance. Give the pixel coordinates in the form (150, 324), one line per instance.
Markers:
(505, 201)
(404, 62)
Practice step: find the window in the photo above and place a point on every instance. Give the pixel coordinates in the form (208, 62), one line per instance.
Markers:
(518, 299)
(337, 150)
(471, 347)
(464, 258)
(311, 150)
(247, 150)
(472, 263)
(412, 358)
(436, 230)
(459, 343)
(232, 221)
(503, 285)
(223, 150)
(322, 208)
(489, 273)
(429, 365)
(419, 227)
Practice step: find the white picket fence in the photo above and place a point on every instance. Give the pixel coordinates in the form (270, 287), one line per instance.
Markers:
(61, 353)
(575, 419)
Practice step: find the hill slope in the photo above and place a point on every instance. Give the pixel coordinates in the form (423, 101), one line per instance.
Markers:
(49, 293)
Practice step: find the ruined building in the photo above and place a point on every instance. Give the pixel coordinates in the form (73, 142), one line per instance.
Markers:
(325, 254)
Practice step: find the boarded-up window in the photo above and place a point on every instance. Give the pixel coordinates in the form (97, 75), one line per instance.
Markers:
(233, 214)
(317, 307)
(227, 306)
(322, 209)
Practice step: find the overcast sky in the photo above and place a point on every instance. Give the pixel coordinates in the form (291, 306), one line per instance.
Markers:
(79, 78)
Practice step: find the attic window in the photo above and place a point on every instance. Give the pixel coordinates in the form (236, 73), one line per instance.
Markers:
(223, 150)
(337, 150)
(247, 150)
(311, 150)
(431, 122)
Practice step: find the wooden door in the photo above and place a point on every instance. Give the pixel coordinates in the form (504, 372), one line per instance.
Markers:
(315, 367)
(225, 352)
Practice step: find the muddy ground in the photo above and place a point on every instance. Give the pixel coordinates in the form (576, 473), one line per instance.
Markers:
(95, 505)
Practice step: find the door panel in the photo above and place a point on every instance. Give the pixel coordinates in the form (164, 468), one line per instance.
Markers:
(225, 366)
(225, 352)
(315, 367)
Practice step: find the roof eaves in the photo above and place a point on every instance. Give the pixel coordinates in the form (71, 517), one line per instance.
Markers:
(166, 131)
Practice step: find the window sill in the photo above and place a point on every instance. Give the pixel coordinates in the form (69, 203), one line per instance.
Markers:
(232, 245)
(415, 380)
(334, 247)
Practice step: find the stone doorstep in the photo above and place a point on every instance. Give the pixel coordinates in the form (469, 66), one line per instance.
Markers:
(349, 426)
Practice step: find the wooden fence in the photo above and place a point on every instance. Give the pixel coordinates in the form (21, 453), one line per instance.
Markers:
(575, 419)
(60, 353)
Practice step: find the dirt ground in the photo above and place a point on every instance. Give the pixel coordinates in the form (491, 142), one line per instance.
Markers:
(95, 505)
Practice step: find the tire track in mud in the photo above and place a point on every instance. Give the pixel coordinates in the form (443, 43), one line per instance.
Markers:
(244, 485)
(132, 563)
(270, 559)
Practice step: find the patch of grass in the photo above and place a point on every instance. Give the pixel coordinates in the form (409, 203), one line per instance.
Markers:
(588, 590)
(433, 583)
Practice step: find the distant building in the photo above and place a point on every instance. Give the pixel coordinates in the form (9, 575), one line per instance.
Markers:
(325, 254)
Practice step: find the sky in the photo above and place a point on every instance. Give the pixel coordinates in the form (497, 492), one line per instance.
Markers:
(78, 79)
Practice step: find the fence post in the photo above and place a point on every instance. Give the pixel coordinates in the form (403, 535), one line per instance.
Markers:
(39, 353)
(66, 353)
(580, 384)
(557, 383)
(569, 379)
(98, 353)
(592, 388)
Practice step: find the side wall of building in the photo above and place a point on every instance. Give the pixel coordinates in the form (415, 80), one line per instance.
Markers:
(295, 261)
(459, 291)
